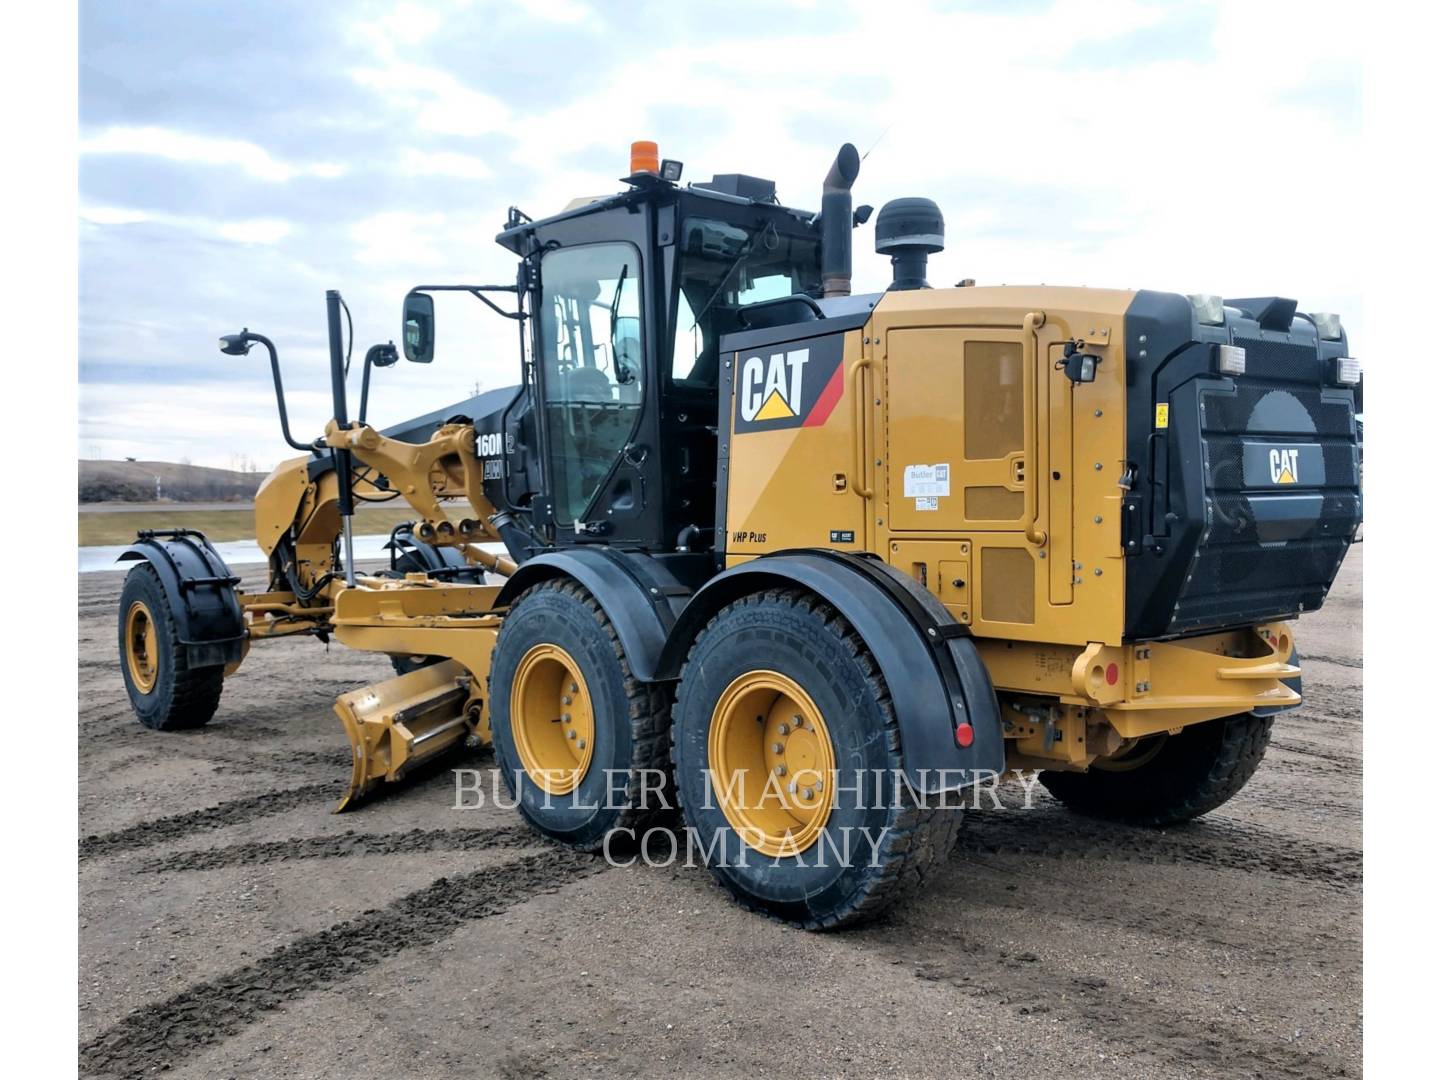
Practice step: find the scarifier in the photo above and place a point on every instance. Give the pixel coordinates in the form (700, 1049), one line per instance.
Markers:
(813, 562)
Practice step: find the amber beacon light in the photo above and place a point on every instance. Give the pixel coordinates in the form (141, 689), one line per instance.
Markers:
(644, 158)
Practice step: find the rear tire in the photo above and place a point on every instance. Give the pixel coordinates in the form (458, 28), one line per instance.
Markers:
(165, 692)
(781, 661)
(1183, 777)
(559, 653)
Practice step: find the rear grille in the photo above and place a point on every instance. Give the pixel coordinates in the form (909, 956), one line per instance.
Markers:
(1270, 548)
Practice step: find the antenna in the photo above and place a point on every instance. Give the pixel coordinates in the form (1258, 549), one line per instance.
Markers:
(877, 142)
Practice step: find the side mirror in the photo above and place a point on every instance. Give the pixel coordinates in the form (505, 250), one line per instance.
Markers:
(418, 329)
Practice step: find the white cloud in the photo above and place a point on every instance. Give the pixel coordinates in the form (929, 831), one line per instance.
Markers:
(112, 215)
(202, 149)
(253, 231)
(445, 163)
(260, 231)
(435, 101)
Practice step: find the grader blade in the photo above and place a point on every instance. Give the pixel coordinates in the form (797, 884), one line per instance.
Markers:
(400, 723)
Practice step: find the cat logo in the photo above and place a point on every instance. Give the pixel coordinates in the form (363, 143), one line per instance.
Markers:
(1284, 466)
(770, 390)
(788, 386)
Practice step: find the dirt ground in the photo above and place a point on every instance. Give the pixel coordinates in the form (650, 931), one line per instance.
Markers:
(230, 926)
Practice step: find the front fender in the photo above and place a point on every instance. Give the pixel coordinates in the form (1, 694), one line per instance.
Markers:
(640, 597)
(200, 590)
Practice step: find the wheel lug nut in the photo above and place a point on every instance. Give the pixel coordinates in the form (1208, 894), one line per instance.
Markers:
(793, 787)
(564, 701)
(581, 744)
(780, 770)
(779, 748)
(820, 785)
(565, 717)
(807, 793)
(574, 688)
(571, 733)
(784, 729)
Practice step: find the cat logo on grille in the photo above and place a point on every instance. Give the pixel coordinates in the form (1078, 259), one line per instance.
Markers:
(1284, 466)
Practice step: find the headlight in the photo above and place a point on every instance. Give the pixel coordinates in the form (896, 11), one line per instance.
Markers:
(1209, 310)
(1328, 324)
(1347, 371)
(1230, 360)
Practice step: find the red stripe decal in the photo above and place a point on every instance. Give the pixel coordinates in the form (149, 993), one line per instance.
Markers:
(829, 397)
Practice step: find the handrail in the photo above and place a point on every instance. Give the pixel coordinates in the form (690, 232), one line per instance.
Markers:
(1030, 381)
(860, 487)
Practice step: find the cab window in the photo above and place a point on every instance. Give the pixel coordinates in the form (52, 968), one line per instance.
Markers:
(723, 267)
(592, 361)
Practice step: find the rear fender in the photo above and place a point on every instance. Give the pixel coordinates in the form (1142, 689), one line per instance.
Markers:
(936, 678)
(200, 590)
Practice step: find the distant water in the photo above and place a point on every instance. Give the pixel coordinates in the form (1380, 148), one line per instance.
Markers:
(234, 552)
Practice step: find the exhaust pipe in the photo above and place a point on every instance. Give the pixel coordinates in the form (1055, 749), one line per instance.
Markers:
(837, 221)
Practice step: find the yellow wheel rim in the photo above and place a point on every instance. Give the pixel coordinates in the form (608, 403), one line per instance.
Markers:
(772, 763)
(142, 647)
(1141, 752)
(552, 719)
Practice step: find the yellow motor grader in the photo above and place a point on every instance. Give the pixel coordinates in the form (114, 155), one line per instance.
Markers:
(808, 562)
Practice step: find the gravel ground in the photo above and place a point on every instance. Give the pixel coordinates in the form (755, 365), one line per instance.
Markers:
(230, 926)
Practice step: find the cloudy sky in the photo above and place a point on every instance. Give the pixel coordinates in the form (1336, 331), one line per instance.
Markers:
(237, 159)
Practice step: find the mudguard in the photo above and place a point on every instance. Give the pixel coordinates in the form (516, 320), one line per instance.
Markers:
(640, 596)
(936, 678)
(200, 590)
(450, 564)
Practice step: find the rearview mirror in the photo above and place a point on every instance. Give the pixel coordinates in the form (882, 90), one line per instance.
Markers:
(418, 331)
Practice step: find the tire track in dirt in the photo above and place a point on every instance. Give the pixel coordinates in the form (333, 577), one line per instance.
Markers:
(178, 826)
(1148, 1030)
(1336, 758)
(413, 842)
(1228, 845)
(163, 1035)
(1262, 945)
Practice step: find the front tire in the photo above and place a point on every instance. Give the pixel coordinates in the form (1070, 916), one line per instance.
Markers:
(165, 692)
(1169, 778)
(777, 689)
(580, 742)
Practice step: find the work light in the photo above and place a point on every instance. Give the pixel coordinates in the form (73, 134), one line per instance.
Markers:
(1230, 360)
(1209, 310)
(1328, 324)
(1347, 370)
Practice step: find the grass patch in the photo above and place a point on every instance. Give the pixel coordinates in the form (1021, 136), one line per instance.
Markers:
(98, 529)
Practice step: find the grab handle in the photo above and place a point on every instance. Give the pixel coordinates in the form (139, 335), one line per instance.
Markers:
(857, 385)
(1030, 377)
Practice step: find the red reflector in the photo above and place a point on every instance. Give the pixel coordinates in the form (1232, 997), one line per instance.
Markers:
(1112, 674)
(964, 734)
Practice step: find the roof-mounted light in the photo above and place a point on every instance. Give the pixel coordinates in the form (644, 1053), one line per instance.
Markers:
(644, 158)
(1209, 310)
(1347, 371)
(1328, 325)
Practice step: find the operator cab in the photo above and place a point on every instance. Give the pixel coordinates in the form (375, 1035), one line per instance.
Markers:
(613, 438)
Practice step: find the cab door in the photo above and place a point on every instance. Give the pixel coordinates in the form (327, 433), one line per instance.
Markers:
(592, 379)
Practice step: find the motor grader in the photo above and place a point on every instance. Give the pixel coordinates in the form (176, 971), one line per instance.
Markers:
(806, 562)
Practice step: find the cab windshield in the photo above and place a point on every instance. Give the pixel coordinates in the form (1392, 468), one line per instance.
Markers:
(723, 267)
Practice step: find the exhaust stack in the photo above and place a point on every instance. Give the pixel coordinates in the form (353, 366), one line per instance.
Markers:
(837, 221)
